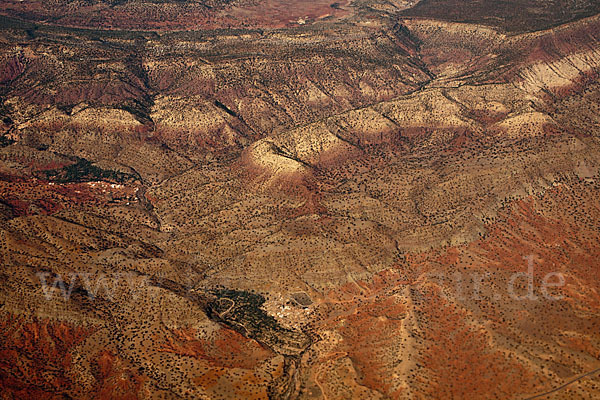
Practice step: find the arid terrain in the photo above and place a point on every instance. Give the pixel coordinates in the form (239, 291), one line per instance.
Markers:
(252, 199)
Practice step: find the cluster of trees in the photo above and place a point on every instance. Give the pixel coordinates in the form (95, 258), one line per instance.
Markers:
(4, 141)
(83, 171)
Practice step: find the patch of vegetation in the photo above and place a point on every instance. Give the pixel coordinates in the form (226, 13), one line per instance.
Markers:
(4, 141)
(84, 171)
(242, 311)
(243, 308)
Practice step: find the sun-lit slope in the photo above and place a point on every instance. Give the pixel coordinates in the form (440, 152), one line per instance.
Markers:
(282, 212)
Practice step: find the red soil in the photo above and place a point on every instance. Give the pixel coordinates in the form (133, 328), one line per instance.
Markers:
(11, 68)
(35, 357)
(116, 381)
(233, 361)
(456, 349)
(225, 348)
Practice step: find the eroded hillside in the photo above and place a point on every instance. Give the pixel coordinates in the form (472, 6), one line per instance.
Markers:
(322, 201)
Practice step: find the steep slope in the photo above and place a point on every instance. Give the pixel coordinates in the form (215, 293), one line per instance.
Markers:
(311, 206)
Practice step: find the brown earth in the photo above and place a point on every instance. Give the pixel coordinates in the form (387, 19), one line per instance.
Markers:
(323, 201)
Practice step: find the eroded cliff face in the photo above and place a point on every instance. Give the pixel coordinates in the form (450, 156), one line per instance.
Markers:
(330, 202)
